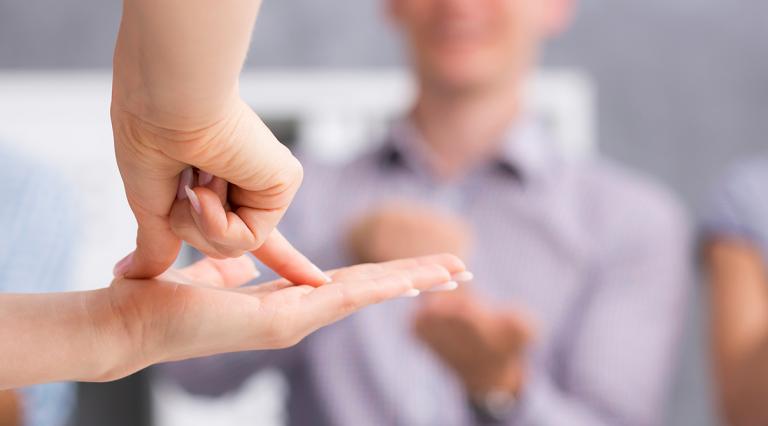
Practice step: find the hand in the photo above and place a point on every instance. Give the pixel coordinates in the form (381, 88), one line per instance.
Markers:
(200, 310)
(405, 230)
(175, 105)
(485, 347)
(256, 176)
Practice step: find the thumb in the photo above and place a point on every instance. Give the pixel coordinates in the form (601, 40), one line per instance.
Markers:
(156, 249)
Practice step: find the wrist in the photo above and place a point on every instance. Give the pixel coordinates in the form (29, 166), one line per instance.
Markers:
(493, 407)
(118, 342)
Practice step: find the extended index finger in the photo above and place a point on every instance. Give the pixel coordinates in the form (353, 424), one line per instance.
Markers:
(280, 256)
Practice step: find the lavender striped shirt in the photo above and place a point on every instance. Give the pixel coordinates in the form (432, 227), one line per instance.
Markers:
(739, 207)
(598, 255)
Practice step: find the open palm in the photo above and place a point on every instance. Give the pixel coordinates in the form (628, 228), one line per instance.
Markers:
(202, 310)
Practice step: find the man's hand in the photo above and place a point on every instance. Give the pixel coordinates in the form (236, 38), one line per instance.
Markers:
(406, 230)
(485, 347)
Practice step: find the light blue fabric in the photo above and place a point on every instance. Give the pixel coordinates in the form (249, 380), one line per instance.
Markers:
(739, 207)
(37, 227)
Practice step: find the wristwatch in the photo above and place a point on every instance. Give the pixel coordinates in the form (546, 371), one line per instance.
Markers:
(494, 407)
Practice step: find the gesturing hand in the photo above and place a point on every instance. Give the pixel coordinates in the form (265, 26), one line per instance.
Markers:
(176, 105)
(485, 347)
(201, 311)
(405, 230)
(256, 175)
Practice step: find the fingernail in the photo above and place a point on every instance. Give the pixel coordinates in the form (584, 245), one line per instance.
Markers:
(204, 178)
(463, 277)
(325, 276)
(193, 200)
(185, 180)
(449, 286)
(121, 267)
(411, 293)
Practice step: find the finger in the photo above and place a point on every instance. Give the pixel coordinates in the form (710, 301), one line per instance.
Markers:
(222, 272)
(150, 182)
(450, 262)
(334, 301)
(222, 229)
(156, 249)
(266, 288)
(220, 187)
(280, 256)
(521, 324)
(184, 226)
(264, 173)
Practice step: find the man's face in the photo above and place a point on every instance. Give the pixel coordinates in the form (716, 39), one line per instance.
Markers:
(460, 44)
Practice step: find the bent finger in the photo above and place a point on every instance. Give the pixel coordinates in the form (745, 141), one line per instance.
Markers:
(222, 229)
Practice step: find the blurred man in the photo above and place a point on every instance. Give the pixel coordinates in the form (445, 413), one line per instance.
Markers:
(36, 255)
(581, 267)
(736, 256)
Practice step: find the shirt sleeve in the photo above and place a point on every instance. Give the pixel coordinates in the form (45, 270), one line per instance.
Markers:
(738, 207)
(221, 374)
(38, 224)
(617, 350)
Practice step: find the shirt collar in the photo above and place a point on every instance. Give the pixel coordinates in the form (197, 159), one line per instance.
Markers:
(527, 151)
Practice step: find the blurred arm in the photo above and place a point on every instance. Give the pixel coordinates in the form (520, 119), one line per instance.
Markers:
(217, 375)
(10, 409)
(617, 352)
(739, 294)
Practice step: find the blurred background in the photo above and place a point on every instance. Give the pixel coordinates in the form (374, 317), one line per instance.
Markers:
(676, 89)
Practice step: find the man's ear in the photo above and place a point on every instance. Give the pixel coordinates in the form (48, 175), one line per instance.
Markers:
(557, 16)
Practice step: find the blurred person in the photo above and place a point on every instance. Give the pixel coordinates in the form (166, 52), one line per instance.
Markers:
(736, 261)
(36, 255)
(581, 267)
(175, 108)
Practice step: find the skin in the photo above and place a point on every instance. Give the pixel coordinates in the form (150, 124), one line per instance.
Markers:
(106, 334)
(484, 345)
(471, 59)
(175, 105)
(738, 281)
(10, 409)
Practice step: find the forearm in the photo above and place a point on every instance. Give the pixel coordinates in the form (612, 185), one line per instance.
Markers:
(746, 389)
(10, 408)
(178, 61)
(59, 337)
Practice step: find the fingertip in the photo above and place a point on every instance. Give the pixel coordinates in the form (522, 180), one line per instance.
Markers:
(123, 266)
(135, 267)
(453, 263)
(279, 255)
(194, 201)
(185, 180)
